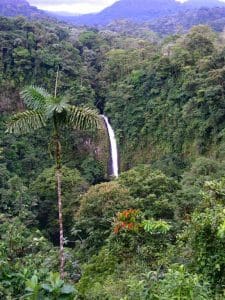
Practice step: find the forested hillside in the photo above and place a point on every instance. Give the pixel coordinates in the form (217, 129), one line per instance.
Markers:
(12, 8)
(155, 232)
(180, 23)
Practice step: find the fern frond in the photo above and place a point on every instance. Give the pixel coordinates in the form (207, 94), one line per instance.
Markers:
(35, 97)
(83, 118)
(25, 122)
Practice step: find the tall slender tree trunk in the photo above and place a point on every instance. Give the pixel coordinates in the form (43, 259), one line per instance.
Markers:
(59, 186)
(59, 194)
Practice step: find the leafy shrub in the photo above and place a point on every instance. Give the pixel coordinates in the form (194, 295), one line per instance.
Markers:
(25, 252)
(155, 193)
(97, 209)
(203, 169)
(22, 250)
(95, 273)
(179, 284)
(204, 238)
(53, 288)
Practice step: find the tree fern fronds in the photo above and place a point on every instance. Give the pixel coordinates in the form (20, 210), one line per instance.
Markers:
(35, 97)
(25, 122)
(83, 118)
(56, 105)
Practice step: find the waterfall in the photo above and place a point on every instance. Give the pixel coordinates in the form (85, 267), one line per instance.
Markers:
(113, 148)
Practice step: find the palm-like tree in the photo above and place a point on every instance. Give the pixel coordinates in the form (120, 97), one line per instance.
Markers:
(45, 109)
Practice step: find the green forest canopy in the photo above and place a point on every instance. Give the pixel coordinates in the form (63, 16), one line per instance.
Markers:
(158, 231)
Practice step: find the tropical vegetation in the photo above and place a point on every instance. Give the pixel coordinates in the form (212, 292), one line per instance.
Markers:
(155, 232)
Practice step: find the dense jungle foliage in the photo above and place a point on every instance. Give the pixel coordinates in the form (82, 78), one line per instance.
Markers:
(156, 232)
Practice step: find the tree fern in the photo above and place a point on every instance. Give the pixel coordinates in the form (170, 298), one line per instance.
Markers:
(46, 108)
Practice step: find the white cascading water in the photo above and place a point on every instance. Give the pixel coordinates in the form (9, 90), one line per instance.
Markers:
(113, 147)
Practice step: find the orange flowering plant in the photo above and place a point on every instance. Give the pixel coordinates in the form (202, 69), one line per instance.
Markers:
(127, 220)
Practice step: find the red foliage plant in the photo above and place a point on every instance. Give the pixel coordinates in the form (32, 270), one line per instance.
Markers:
(127, 220)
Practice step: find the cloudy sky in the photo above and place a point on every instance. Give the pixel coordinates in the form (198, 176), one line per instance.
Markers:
(72, 6)
(75, 6)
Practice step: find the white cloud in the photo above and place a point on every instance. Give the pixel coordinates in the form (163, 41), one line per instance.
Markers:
(72, 6)
(76, 6)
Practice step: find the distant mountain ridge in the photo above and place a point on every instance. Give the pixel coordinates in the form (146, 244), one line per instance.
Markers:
(213, 17)
(203, 3)
(12, 8)
(131, 16)
(141, 11)
(134, 10)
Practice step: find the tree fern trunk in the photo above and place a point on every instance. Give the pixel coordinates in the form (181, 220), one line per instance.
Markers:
(59, 194)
